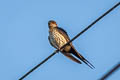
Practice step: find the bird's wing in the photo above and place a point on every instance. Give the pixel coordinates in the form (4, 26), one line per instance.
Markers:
(71, 57)
(62, 30)
(75, 53)
(64, 33)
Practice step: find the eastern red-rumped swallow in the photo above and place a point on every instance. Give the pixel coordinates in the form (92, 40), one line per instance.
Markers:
(59, 37)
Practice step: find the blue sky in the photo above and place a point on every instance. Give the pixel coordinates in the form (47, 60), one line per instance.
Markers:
(24, 38)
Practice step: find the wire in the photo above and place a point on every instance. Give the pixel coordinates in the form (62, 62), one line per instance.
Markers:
(38, 65)
(111, 72)
(89, 26)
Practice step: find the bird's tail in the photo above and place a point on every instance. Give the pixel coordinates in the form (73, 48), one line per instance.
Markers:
(75, 53)
(71, 57)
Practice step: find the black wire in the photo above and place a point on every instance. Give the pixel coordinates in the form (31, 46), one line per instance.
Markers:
(38, 65)
(111, 72)
(70, 40)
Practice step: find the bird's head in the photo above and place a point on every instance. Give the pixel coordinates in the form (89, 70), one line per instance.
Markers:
(52, 24)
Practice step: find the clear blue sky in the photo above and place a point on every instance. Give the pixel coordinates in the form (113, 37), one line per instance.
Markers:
(24, 38)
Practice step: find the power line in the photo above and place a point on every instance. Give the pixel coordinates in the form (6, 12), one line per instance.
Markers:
(111, 72)
(89, 26)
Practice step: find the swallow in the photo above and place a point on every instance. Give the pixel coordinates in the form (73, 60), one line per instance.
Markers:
(59, 37)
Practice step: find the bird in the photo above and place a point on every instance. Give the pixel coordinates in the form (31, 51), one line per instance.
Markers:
(59, 37)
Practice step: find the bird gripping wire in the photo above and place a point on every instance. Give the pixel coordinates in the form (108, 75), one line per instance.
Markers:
(89, 26)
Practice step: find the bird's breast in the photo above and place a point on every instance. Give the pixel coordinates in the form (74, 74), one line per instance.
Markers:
(57, 39)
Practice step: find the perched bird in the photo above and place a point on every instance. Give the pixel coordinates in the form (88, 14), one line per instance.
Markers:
(59, 37)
